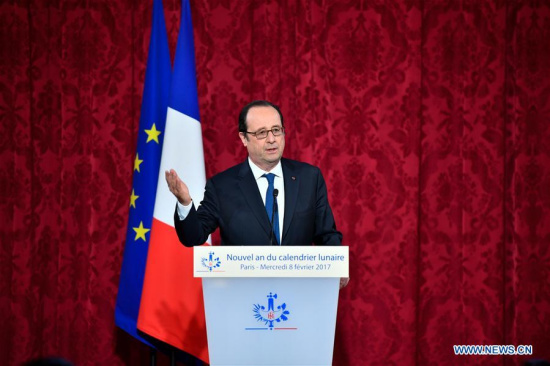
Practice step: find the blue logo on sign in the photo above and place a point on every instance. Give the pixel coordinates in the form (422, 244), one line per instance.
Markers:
(211, 262)
(271, 313)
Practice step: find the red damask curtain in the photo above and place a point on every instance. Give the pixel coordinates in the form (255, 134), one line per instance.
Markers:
(429, 119)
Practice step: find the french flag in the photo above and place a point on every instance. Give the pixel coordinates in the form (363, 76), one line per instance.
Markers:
(172, 308)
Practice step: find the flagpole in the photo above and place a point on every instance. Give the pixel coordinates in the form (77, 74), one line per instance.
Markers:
(172, 358)
(153, 356)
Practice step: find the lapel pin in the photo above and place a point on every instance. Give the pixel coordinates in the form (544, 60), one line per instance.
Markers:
(293, 178)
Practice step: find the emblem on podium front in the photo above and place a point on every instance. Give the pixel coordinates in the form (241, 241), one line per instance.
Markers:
(211, 261)
(271, 313)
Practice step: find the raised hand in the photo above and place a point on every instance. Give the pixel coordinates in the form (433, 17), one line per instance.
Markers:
(178, 187)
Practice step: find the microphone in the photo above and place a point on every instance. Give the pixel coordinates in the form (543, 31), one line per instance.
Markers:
(275, 194)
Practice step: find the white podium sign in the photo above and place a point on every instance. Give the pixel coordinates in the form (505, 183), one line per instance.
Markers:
(270, 305)
(271, 261)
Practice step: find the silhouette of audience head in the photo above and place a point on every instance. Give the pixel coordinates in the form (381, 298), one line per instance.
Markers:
(537, 363)
(48, 361)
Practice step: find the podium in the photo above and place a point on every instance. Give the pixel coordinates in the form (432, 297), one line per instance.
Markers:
(270, 305)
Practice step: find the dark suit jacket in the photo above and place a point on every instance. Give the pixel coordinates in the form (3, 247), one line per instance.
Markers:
(233, 203)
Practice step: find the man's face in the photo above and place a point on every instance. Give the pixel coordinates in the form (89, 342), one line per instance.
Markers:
(267, 152)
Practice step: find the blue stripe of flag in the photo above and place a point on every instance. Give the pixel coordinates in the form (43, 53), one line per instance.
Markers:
(184, 98)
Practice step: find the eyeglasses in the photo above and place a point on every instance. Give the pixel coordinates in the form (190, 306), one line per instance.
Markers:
(262, 134)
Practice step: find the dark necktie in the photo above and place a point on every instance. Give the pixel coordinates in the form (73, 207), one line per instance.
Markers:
(269, 202)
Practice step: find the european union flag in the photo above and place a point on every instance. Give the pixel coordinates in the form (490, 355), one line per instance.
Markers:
(152, 122)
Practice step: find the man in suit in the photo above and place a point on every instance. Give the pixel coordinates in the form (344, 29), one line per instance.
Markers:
(243, 201)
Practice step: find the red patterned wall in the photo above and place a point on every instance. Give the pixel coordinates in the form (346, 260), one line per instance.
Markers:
(429, 119)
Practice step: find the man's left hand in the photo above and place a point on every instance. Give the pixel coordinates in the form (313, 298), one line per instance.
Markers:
(344, 282)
